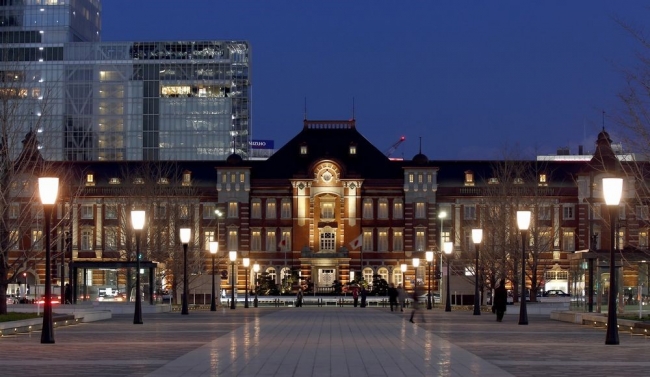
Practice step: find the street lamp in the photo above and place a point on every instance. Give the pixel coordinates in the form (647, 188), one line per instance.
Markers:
(416, 264)
(477, 236)
(256, 269)
(247, 263)
(137, 222)
(429, 256)
(48, 189)
(449, 248)
(523, 222)
(185, 239)
(233, 258)
(612, 189)
(442, 215)
(214, 248)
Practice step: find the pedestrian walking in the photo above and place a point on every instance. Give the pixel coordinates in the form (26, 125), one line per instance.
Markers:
(299, 299)
(500, 300)
(68, 294)
(363, 297)
(392, 296)
(416, 306)
(401, 295)
(355, 297)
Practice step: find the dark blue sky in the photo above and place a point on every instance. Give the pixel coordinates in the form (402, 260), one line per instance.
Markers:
(468, 77)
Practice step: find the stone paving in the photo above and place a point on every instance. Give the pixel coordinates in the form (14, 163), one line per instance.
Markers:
(312, 341)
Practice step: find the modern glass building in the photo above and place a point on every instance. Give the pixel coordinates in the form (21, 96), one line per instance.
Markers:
(92, 100)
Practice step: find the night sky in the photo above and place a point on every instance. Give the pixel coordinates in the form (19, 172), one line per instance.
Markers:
(470, 78)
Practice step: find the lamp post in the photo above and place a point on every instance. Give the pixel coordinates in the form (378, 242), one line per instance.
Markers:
(233, 258)
(612, 189)
(137, 222)
(442, 215)
(256, 269)
(185, 239)
(214, 248)
(247, 263)
(477, 236)
(48, 188)
(429, 256)
(403, 267)
(449, 248)
(523, 222)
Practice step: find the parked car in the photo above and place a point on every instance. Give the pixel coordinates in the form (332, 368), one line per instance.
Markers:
(555, 293)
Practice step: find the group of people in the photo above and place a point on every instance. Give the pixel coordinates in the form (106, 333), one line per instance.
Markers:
(397, 299)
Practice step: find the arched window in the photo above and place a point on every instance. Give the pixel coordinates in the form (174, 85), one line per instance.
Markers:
(272, 274)
(367, 274)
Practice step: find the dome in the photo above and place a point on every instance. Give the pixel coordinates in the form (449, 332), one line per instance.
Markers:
(420, 159)
(234, 159)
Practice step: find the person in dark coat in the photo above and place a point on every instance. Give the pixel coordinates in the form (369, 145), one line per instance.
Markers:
(355, 297)
(392, 296)
(299, 299)
(363, 297)
(500, 299)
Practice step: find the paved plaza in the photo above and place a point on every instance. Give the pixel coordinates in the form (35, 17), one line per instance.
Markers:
(312, 341)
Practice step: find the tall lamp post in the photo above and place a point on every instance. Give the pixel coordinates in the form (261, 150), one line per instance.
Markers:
(247, 263)
(214, 248)
(416, 264)
(613, 190)
(477, 237)
(429, 257)
(442, 215)
(48, 188)
(185, 239)
(233, 258)
(523, 222)
(449, 248)
(256, 269)
(137, 222)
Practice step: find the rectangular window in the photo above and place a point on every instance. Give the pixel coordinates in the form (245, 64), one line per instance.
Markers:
(271, 211)
(160, 211)
(87, 211)
(367, 241)
(568, 241)
(419, 240)
(209, 211)
(327, 241)
(14, 238)
(446, 236)
(233, 240)
(285, 241)
(420, 210)
(14, 210)
(469, 178)
(110, 239)
(256, 240)
(567, 212)
(469, 212)
(542, 179)
(382, 244)
(286, 209)
(411, 177)
(398, 240)
(37, 236)
(643, 239)
(544, 241)
(398, 210)
(111, 211)
(208, 236)
(233, 211)
(242, 177)
(642, 212)
(367, 209)
(382, 211)
(87, 239)
(621, 239)
(397, 277)
(420, 178)
(271, 242)
(183, 211)
(327, 211)
(256, 209)
(544, 213)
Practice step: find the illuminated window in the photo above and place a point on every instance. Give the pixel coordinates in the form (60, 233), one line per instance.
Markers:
(469, 178)
(187, 178)
(233, 240)
(397, 276)
(242, 177)
(398, 209)
(271, 273)
(327, 240)
(353, 149)
(542, 179)
(110, 211)
(285, 240)
(367, 241)
(138, 181)
(256, 240)
(382, 211)
(271, 243)
(493, 181)
(643, 238)
(327, 211)
(420, 178)
(567, 212)
(382, 244)
(383, 273)
(209, 211)
(398, 240)
(286, 209)
(568, 240)
(87, 239)
(110, 239)
(37, 236)
(90, 179)
(14, 238)
(114, 181)
(411, 177)
(256, 209)
(420, 210)
(183, 211)
(233, 210)
(419, 240)
(367, 208)
(271, 211)
(303, 149)
(87, 211)
(208, 236)
(367, 274)
(163, 181)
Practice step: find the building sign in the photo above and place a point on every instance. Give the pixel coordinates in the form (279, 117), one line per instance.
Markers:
(261, 144)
